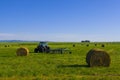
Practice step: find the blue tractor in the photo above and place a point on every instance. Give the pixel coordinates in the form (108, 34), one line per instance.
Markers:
(42, 47)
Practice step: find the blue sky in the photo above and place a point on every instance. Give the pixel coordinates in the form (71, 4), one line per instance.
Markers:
(60, 20)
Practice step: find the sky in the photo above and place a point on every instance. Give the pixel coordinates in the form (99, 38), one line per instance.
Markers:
(60, 20)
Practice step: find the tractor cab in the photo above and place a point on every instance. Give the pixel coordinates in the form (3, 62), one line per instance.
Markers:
(43, 44)
(42, 47)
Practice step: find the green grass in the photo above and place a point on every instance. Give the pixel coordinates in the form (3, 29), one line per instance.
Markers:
(45, 66)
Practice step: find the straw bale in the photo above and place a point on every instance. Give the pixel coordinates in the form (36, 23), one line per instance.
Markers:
(22, 51)
(98, 57)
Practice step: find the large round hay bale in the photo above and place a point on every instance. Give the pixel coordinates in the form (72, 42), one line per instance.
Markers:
(98, 57)
(22, 51)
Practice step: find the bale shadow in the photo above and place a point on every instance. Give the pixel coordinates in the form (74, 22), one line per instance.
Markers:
(74, 66)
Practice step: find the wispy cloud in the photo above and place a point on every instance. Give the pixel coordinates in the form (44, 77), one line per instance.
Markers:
(42, 37)
(57, 37)
(6, 34)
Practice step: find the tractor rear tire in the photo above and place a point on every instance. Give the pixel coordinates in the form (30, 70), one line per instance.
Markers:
(35, 50)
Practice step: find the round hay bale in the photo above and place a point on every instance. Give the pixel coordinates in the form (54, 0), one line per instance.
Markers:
(87, 45)
(102, 45)
(22, 51)
(95, 44)
(5, 45)
(98, 57)
(73, 45)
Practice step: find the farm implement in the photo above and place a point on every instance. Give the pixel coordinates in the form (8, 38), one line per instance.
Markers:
(44, 48)
(60, 50)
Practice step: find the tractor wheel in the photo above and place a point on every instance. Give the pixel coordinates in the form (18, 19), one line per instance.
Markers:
(40, 49)
(35, 50)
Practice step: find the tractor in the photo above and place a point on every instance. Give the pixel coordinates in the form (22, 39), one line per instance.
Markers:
(42, 47)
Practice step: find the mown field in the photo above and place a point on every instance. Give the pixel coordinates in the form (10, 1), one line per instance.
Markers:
(45, 66)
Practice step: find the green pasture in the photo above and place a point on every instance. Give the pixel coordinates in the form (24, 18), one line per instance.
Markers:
(46, 66)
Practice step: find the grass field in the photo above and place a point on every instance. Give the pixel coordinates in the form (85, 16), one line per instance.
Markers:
(45, 66)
